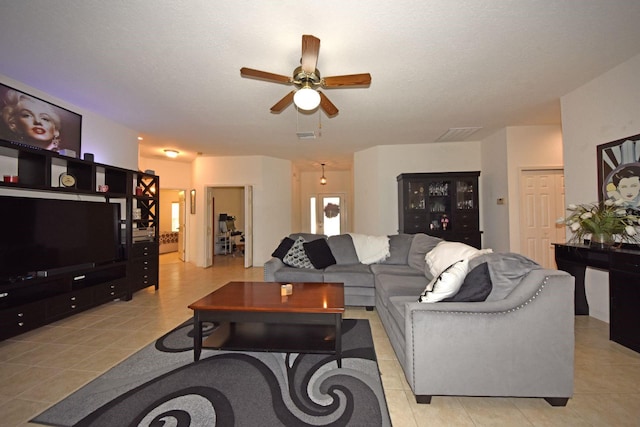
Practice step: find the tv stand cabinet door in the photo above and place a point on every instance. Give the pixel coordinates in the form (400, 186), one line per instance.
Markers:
(110, 291)
(73, 302)
(17, 320)
(143, 268)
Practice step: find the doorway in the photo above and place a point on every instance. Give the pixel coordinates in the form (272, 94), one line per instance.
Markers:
(173, 229)
(229, 224)
(541, 204)
(328, 214)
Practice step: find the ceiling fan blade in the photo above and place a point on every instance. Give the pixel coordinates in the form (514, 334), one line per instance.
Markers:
(283, 103)
(327, 105)
(348, 80)
(263, 75)
(310, 50)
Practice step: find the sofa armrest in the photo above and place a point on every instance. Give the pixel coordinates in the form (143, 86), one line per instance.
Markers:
(520, 346)
(270, 268)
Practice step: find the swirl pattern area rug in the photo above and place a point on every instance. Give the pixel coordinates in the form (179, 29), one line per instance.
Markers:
(160, 385)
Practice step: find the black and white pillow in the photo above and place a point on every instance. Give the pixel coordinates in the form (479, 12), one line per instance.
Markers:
(447, 283)
(296, 256)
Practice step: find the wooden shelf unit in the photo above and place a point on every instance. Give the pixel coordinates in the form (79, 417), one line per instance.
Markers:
(444, 205)
(25, 306)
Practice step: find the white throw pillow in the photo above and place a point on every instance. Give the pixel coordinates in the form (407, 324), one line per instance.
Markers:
(447, 284)
(446, 253)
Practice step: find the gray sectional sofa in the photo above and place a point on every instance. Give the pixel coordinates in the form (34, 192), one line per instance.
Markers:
(516, 340)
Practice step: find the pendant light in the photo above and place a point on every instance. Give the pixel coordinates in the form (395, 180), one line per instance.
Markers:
(323, 180)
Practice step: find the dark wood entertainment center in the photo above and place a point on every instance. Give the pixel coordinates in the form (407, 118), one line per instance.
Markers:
(36, 301)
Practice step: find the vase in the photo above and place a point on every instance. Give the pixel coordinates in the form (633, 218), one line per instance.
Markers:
(602, 240)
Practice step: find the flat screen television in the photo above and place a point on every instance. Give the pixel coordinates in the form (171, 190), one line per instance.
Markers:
(45, 237)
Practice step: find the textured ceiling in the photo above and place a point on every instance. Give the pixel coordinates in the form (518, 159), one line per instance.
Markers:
(170, 69)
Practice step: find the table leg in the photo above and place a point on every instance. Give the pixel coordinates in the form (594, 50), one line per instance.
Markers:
(577, 270)
(197, 336)
(339, 340)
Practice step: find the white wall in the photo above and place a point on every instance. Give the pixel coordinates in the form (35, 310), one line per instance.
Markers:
(173, 174)
(368, 192)
(504, 155)
(495, 184)
(110, 142)
(603, 110)
(296, 215)
(376, 170)
(271, 181)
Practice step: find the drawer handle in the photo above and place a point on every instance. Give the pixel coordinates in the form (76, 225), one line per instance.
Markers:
(20, 314)
(112, 293)
(73, 298)
(73, 306)
(4, 294)
(112, 287)
(20, 323)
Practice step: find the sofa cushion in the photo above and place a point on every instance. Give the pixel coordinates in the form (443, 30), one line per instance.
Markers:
(319, 253)
(397, 308)
(446, 253)
(296, 256)
(342, 249)
(390, 285)
(283, 248)
(399, 246)
(351, 275)
(398, 270)
(447, 283)
(420, 246)
(475, 287)
(291, 274)
(506, 270)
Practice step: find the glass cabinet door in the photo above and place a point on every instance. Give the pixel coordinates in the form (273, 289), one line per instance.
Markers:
(439, 204)
(465, 195)
(416, 196)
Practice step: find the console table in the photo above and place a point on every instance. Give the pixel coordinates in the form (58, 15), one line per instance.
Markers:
(624, 286)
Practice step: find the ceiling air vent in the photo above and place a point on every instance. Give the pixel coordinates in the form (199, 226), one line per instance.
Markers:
(306, 135)
(457, 134)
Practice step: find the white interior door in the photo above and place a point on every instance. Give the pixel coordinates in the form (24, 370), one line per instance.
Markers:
(248, 226)
(182, 228)
(208, 247)
(541, 204)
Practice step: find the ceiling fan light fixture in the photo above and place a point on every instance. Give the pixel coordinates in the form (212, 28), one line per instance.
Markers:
(306, 98)
(323, 180)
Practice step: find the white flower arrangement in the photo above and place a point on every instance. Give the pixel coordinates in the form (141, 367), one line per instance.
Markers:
(607, 218)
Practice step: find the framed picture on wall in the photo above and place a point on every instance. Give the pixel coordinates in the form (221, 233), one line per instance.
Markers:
(619, 171)
(34, 122)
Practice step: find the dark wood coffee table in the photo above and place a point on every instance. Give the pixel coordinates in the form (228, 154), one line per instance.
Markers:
(254, 316)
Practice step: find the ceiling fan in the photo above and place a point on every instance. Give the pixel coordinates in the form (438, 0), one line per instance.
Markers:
(306, 78)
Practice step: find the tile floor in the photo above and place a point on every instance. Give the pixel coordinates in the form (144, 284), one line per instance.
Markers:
(41, 367)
